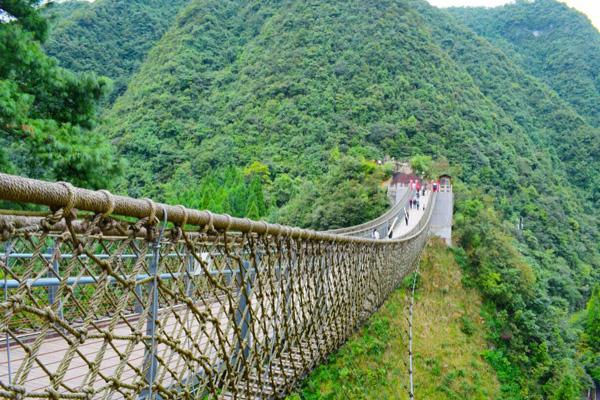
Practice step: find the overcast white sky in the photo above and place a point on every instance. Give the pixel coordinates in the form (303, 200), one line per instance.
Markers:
(589, 7)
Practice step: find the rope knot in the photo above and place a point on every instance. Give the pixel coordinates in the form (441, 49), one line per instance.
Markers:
(209, 226)
(152, 220)
(65, 236)
(53, 393)
(105, 265)
(229, 222)
(108, 335)
(82, 334)
(266, 228)
(130, 283)
(49, 313)
(19, 391)
(178, 229)
(110, 206)
(8, 229)
(71, 196)
(16, 303)
(89, 392)
(52, 219)
(114, 382)
(138, 336)
(185, 215)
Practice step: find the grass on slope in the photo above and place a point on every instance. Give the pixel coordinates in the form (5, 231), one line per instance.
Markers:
(449, 342)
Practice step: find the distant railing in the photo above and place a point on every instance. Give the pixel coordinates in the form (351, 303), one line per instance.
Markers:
(111, 297)
(381, 224)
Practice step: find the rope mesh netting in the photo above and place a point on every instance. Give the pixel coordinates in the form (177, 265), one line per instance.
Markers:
(110, 297)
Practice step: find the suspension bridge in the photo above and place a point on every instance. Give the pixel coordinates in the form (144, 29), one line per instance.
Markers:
(110, 297)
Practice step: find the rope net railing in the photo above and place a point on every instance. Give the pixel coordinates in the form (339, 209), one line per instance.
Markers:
(108, 297)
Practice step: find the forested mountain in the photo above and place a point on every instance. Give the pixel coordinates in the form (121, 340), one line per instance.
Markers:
(56, 13)
(108, 37)
(550, 41)
(274, 109)
(546, 119)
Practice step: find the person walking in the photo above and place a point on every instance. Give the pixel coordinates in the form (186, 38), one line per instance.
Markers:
(406, 216)
(375, 234)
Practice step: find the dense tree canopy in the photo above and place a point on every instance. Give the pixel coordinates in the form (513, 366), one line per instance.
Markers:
(57, 13)
(47, 113)
(347, 194)
(108, 37)
(593, 318)
(549, 40)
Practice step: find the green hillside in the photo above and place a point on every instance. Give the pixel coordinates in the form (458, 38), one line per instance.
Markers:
(108, 37)
(276, 109)
(56, 13)
(449, 344)
(550, 41)
(548, 121)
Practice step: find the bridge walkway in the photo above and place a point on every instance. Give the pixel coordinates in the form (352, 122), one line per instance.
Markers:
(415, 215)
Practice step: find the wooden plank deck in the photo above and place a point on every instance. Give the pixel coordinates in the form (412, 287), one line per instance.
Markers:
(54, 350)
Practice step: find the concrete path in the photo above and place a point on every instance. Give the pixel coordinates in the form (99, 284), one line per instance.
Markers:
(401, 229)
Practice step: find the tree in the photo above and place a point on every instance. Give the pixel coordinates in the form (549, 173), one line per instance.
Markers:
(46, 112)
(568, 389)
(421, 165)
(284, 188)
(27, 15)
(592, 328)
(222, 191)
(258, 169)
(256, 196)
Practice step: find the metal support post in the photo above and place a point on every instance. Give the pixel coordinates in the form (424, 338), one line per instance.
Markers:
(243, 318)
(55, 273)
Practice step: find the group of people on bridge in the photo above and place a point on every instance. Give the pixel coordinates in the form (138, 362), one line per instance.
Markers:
(419, 187)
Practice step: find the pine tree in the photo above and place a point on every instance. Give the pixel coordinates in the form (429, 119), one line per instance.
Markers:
(252, 210)
(593, 319)
(46, 112)
(256, 192)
